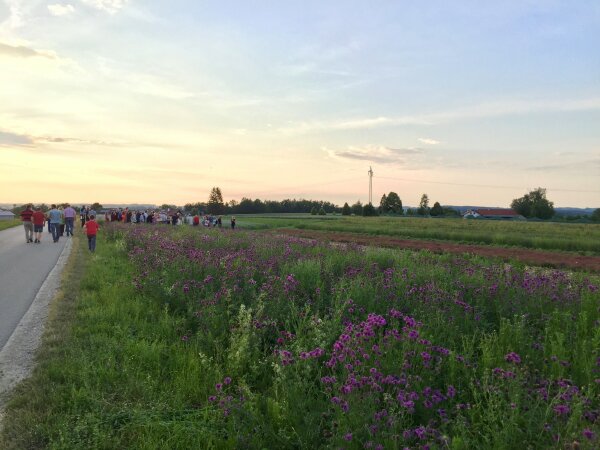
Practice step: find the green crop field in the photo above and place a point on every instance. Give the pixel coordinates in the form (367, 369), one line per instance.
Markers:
(583, 238)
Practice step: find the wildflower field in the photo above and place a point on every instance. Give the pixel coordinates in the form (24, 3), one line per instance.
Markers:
(250, 340)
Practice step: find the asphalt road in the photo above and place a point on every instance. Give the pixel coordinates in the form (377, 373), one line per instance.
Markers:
(23, 269)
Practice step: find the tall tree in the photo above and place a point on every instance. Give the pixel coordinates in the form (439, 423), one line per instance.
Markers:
(357, 208)
(215, 203)
(394, 203)
(596, 215)
(437, 210)
(369, 210)
(423, 205)
(346, 211)
(534, 204)
(383, 204)
(259, 206)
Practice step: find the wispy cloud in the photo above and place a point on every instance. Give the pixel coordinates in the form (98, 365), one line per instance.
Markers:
(109, 6)
(59, 9)
(8, 139)
(142, 83)
(351, 124)
(482, 110)
(20, 51)
(15, 15)
(428, 141)
(568, 166)
(54, 140)
(376, 154)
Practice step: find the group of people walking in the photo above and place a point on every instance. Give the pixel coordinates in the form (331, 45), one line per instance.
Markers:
(60, 220)
(168, 217)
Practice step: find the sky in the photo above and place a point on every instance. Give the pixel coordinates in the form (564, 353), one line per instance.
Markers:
(130, 101)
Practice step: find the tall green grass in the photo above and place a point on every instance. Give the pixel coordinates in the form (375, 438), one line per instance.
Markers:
(113, 372)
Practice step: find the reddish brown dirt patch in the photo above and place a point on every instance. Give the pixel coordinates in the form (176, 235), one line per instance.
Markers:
(533, 257)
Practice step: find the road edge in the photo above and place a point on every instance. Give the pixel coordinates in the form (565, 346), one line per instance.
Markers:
(17, 357)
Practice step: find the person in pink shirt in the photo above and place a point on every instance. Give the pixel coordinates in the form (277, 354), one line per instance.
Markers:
(69, 214)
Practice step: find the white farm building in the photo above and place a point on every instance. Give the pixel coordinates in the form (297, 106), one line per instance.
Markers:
(6, 215)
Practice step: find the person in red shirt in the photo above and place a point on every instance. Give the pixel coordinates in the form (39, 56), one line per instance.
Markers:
(38, 218)
(91, 229)
(27, 224)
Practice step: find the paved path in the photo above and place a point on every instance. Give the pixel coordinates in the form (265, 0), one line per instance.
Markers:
(23, 269)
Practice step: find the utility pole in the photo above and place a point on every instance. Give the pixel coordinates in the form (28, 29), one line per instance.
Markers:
(370, 185)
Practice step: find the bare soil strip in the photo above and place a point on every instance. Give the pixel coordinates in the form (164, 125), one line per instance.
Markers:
(534, 257)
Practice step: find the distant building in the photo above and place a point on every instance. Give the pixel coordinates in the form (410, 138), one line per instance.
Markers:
(6, 215)
(497, 213)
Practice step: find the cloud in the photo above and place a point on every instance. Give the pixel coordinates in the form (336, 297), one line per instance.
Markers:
(143, 83)
(490, 109)
(564, 166)
(15, 18)
(61, 10)
(428, 141)
(52, 140)
(109, 6)
(376, 154)
(20, 51)
(354, 124)
(8, 139)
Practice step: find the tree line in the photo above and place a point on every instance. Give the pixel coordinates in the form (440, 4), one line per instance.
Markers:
(533, 205)
(216, 205)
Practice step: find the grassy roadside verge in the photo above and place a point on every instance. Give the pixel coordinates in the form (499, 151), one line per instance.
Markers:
(107, 375)
(5, 224)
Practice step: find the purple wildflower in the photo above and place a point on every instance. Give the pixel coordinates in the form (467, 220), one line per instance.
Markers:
(589, 434)
(513, 357)
(562, 410)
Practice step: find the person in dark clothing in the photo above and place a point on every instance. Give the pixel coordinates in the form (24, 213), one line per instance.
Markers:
(83, 212)
(233, 222)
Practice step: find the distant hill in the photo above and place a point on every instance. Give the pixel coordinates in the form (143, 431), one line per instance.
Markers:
(574, 211)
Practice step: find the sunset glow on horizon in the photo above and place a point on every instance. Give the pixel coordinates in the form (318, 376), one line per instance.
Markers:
(130, 101)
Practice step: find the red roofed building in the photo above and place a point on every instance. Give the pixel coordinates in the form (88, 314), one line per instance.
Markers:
(497, 213)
